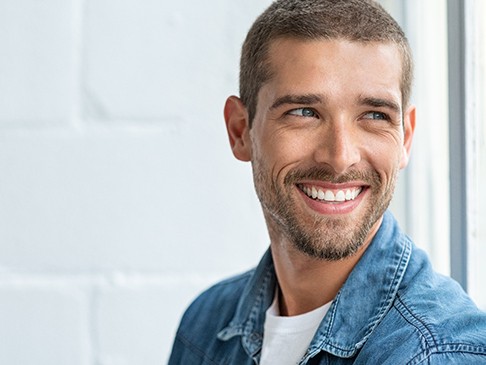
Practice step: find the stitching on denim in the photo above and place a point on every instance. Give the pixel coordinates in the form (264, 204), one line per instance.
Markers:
(402, 263)
(196, 350)
(427, 334)
(333, 313)
(251, 320)
(392, 292)
(459, 348)
(255, 310)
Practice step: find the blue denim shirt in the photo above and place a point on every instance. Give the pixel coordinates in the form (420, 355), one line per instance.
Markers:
(393, 309)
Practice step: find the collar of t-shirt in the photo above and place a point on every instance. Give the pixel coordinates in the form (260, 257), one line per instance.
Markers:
(286, 339)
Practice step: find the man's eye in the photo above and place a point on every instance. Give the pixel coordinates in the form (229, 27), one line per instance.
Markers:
(303, 112)
(376, 116)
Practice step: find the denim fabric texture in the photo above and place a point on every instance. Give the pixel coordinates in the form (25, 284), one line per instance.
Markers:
(393, 309)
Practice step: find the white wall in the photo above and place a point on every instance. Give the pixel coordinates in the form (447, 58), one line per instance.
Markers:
(119, 196)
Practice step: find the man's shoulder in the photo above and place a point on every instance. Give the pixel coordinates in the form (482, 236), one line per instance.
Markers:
(445, 325)
(213, 308)
(220, 298)
(439, 304)
(206, 316)
(442, 312)
(431, 321)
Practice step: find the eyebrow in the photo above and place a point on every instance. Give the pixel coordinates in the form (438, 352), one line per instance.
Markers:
(307, 99)
(380, 103)
(296, 99)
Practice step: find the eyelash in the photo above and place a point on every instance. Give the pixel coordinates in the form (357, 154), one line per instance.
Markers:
(383, 116)
(293, 112)
(313, 114)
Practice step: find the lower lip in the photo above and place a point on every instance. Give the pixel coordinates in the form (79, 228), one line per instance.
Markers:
(333, 208)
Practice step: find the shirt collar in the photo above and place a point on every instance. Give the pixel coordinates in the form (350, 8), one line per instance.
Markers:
(250, 313)
(359, 306)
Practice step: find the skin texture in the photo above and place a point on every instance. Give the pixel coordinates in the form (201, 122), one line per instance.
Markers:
(330, 118)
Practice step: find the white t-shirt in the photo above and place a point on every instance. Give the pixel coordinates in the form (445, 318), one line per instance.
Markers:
(286, 339)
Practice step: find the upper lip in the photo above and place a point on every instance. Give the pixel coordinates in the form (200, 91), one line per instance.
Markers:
(333, 186)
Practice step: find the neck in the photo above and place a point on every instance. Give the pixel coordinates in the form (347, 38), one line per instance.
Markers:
(307, 283)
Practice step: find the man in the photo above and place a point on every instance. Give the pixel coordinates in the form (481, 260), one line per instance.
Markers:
(324, 117)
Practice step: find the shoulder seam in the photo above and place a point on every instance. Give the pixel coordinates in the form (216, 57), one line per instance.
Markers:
(415, 321)
(455, 348)
(431, 346)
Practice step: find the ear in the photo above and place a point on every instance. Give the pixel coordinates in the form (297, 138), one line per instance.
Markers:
(237, 126)
(408, 130)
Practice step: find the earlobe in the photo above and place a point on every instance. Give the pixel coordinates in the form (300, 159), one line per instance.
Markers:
(237, 126)
(408, 131)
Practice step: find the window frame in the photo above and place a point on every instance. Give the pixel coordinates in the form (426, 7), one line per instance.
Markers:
(459, 152)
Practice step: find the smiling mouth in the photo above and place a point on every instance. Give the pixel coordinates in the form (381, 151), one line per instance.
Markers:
(330, 195)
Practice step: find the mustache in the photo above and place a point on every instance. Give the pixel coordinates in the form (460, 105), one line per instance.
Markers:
(370, 177)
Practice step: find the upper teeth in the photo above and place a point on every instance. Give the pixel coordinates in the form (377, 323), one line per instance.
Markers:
(331, 195)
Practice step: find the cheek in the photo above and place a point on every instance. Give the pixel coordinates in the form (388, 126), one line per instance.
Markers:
(281, 149)
(384, 154)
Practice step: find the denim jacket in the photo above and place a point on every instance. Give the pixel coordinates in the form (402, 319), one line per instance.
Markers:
(393, 309)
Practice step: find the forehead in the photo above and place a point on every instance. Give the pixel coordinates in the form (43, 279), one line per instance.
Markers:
(337, 67)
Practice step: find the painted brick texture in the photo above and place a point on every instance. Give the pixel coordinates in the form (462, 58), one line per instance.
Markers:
(119, 197)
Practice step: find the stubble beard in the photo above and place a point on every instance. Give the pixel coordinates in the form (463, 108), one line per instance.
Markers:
(324, 238)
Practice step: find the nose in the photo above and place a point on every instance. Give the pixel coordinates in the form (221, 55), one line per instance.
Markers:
(337, 146)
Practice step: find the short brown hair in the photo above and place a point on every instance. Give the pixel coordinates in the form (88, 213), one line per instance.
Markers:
(354, 20)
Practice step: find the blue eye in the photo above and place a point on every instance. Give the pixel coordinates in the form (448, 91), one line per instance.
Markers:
(376, 116)
(303, 112)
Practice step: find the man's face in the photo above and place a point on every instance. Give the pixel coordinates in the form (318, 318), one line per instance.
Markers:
(327, 142)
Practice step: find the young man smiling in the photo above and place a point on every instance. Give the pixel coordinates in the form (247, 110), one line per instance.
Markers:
(324, 117)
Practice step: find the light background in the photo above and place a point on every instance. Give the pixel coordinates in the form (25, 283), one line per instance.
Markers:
(119, 197)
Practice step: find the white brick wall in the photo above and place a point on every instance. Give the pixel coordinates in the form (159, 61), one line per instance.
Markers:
(119, 197)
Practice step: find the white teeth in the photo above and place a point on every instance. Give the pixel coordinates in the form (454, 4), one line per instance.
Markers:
(340, 196)
(329, 196)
